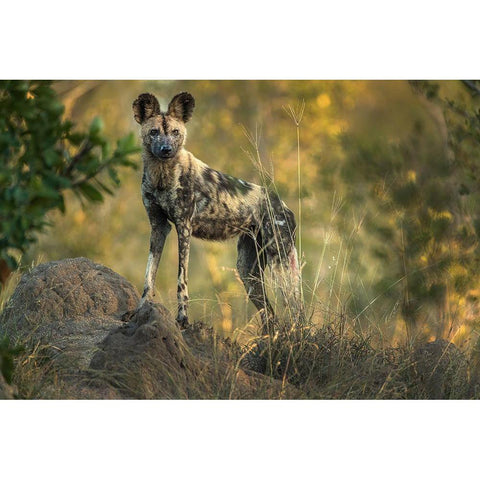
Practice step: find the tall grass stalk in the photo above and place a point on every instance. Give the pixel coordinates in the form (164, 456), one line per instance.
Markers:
(296, 114)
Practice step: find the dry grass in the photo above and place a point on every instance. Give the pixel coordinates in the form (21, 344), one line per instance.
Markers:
(311, 362)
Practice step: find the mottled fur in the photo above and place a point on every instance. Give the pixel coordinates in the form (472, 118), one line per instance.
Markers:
(199, 201)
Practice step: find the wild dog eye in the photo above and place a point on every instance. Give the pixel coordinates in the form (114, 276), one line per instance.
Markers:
(175, 132)
(154, 132)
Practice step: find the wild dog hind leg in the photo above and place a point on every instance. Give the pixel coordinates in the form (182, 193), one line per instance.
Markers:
(279, 227)
(184, 231)
(250, 266)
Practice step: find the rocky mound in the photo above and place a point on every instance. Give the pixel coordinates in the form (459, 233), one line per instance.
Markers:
(147, 358)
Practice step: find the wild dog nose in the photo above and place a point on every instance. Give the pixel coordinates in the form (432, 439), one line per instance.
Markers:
(166, 149)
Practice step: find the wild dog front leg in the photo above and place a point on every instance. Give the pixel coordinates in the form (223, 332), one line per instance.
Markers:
(160, 229)
(184, 231)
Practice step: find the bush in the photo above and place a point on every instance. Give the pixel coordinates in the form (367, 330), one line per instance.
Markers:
(43, 156)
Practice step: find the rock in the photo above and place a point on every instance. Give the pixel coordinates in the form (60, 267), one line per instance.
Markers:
(442, 369)
(147, 358)
(150, 358)
(67, 307)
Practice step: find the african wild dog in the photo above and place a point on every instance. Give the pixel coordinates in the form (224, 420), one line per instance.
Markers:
(179, 189)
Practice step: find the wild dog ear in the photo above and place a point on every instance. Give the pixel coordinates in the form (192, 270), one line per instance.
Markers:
(145, 106)
(182, 106)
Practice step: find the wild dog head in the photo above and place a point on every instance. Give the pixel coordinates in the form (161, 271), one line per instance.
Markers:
(163, 134)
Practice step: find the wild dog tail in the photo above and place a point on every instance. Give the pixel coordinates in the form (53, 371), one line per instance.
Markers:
(278, 233)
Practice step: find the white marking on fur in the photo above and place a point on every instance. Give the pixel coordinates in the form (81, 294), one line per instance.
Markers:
(180, 277)
(148, 273)
(200, 205)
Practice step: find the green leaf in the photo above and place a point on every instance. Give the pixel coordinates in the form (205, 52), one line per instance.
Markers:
(127, 145)
(90, 192)
(104, 187)
(51, 157)
(96, 126)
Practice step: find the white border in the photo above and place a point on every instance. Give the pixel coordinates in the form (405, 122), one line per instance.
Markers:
(239, 439)
(242, 40)
(213, 39)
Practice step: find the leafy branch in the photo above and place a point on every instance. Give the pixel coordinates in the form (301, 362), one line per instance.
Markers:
(42, 157)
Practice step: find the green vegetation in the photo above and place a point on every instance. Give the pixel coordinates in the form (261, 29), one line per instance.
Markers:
(43, 157)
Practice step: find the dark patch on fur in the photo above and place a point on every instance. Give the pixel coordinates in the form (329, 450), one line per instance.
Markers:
(182, 106)
(278, 223)
(208, 175)
(164, 124)
(145, 106)
(232, 185)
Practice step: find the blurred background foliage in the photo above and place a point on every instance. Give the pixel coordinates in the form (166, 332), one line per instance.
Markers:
(389, 193)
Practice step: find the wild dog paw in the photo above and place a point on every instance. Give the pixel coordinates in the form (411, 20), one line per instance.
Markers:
(183, 322)
(127, 316)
